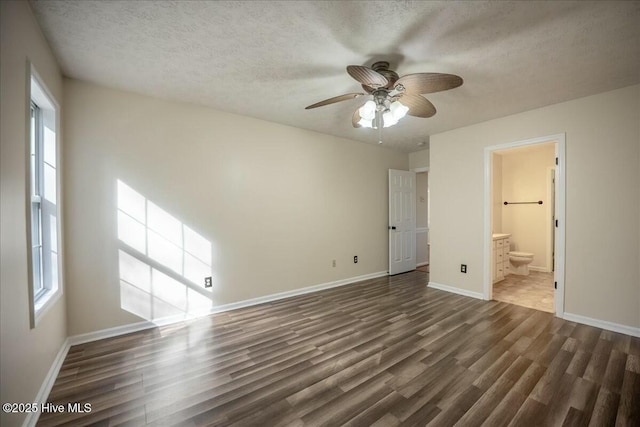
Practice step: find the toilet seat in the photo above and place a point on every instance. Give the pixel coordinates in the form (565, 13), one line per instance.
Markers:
(521, 254)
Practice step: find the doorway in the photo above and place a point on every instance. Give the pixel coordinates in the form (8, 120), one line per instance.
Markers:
(524, 239)
(422, 219)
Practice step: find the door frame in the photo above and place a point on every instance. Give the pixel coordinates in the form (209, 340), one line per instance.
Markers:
(560, 202)
(551, 195)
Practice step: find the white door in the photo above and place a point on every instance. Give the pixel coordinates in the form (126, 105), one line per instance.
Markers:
(402, 221)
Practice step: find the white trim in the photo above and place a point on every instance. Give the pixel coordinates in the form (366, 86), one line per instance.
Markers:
(422, 229)
(114, 332)
(148, 324)
(602, 324)
(418, 170)
(41, 398)
(135, 327)
(487, 243)
(296, 292)
(560, 140)
(560, 205)
(550, 212)
(420, 264)
(44, 98)
(453, 290)
(42, 307)
(47, 385)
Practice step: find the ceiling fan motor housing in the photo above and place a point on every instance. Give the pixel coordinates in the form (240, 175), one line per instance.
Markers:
(382, 67)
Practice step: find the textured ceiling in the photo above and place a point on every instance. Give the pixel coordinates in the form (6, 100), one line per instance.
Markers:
(270, 59)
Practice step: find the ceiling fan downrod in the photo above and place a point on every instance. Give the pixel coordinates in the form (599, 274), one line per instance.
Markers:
(381, 98)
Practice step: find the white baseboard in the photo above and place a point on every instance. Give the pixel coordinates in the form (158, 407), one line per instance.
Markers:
(47, 384)
(296, 292)
(148, 324)
(420, 264)
(110, 332)
(602, 324)
(454, 290)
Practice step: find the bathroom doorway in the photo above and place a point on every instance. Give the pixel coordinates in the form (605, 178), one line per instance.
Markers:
(524, 196)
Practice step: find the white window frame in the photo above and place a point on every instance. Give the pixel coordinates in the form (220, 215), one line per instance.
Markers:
(44, 228)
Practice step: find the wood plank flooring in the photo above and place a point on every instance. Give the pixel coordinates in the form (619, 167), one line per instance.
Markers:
(383, 352)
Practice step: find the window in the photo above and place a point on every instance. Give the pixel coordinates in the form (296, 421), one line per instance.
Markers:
(43, 200)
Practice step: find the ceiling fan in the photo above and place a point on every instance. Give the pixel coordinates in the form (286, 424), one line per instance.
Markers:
(393, 96)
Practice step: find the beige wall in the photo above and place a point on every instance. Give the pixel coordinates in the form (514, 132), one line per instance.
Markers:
(496, 193)
(602, 200)
(27, 354)
(277, 203)
(525, 177)
(419, 159)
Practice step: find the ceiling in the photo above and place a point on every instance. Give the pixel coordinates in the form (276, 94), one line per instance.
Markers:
(270, 59)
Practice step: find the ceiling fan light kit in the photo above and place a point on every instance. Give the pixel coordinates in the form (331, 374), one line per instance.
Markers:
(393, 96)
(372, 115)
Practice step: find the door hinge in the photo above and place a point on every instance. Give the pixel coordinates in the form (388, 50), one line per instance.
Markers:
(556, 223)
(556, 161)
(555, 285)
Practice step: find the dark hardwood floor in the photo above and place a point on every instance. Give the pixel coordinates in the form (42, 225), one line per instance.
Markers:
(383, 352)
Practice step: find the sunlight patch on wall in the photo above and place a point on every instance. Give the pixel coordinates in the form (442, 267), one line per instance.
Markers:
(162, 262)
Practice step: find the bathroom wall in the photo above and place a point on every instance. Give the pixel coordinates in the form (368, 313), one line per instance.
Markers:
(525, 178)
(422, 182)
(496, 193)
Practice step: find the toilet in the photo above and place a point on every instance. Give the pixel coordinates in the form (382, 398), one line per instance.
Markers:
(520, 262)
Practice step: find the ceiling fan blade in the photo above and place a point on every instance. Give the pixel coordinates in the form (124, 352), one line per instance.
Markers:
(419, 106)
(356, 118)
(429, 82)
(367, 76)
(334, 100)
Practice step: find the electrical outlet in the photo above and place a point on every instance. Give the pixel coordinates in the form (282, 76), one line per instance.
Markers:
(333, 262)
(463, 268)
(208, 282)
(355, 259)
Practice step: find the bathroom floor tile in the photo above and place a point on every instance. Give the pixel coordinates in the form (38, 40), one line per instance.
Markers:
(532, 291)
